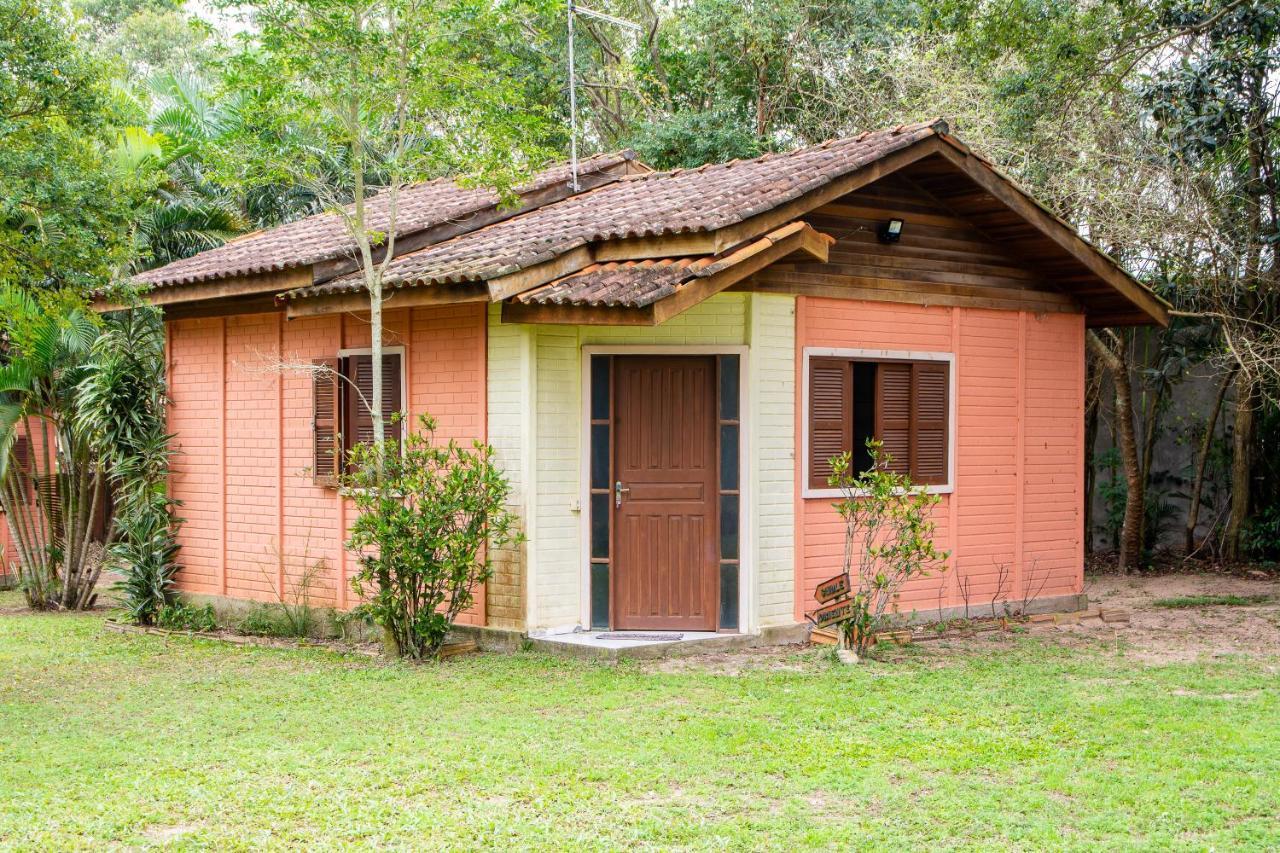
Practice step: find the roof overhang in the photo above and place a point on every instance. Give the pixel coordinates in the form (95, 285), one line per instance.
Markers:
(575, 299)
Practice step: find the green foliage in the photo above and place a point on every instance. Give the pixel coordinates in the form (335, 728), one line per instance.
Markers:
(388, 91)
(265, 620)
(122, 408)
(50, 504)
(888, 540)
(1261, 536)
(64, 214)
(292, 614)
(1211, 601)
(1025, 744)
(428, 527)
(180, 616)
(687, 140)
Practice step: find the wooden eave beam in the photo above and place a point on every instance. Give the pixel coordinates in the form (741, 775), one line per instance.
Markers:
(1058, 232)
(409, 297)
(259, 284)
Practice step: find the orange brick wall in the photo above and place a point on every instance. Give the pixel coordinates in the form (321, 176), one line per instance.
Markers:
(1019, 449)
(254, 521)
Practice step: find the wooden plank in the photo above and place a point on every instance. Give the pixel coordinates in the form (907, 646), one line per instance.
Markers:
(409, 297)
(875, 294)
(577, 315)
(272, 283)
(253, 304)
(832, 588)
(844, 185)
(506, 286)
(832, 613)
(667, 246)
(835, 284)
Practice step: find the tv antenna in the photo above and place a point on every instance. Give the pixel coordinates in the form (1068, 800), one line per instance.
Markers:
(574, 9)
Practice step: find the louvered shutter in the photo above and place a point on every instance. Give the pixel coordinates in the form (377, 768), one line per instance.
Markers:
(929, 424)
(50, 501)
(20, 461)
(326, 445)
(830, 416)
(359, 415)
(893, 414)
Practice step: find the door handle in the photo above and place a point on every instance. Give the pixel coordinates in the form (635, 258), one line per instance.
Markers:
(618, 491)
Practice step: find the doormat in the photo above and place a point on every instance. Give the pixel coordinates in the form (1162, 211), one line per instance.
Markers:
(623, 635)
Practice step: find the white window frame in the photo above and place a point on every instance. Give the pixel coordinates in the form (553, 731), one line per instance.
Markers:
(877, 355)
(404, 381)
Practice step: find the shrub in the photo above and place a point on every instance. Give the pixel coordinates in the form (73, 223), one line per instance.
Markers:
(264, 620)
(123, 410)
(429, 520)
(888, 540)
(185, 617)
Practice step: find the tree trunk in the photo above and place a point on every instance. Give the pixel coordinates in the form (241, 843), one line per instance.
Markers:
(1241, 467)
(1117, 363)
(1202, 461)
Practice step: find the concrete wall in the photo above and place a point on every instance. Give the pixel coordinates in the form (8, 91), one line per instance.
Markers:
(1014, 520)
(535, 411)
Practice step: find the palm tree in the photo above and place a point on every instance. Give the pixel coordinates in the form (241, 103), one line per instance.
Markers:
(187, 211)
(52, 480)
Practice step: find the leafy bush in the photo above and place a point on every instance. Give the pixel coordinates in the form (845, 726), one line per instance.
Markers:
(1261, 538)
(429, 520)
(123, 409)
(146, 555)
(888, 540)
(265, 620)
(179, 616)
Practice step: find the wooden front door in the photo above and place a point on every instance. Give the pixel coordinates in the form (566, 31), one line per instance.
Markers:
(666, 573)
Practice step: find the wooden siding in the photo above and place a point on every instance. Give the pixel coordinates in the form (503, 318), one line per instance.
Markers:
(1018, 497)
(255, 521)
(940, 259)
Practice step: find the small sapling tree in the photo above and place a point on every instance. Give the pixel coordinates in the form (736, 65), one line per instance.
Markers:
(888, 541)
(427, 526)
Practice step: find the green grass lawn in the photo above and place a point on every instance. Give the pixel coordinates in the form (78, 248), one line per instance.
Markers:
(135, 740)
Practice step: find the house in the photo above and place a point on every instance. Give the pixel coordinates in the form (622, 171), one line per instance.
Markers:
(665, 362)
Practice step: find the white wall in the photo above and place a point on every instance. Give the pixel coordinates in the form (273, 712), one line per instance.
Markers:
(542, 364)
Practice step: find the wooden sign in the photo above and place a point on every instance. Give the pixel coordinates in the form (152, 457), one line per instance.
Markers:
(832, 613)
(833, 588)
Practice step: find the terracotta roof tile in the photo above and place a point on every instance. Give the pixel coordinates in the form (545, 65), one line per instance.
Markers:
(323, 236)
(651, 204)
(624, 284)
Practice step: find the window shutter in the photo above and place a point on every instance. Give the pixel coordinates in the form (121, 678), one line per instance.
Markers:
(929, 425)
(392, 404)
(50, 500)
(359, 416)
(830, 416)
(325, 422)
(20, 461)
(893, 414)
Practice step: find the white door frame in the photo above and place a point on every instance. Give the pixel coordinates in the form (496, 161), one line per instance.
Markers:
(747, 617)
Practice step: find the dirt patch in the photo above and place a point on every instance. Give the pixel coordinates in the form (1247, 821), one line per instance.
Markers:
(1152, 635)
(1162, 635)
(792, 658)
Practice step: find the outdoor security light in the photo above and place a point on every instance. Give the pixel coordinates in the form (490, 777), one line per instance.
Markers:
(891, 231)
